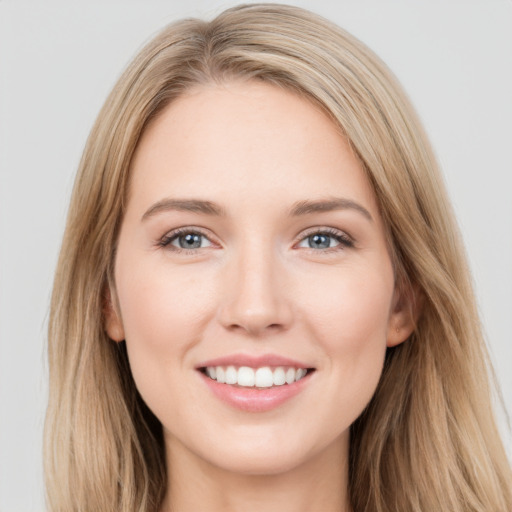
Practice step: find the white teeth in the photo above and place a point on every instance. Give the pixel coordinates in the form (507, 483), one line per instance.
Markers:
(290, 375)
(231, 375)
(245, 376)
(301, 372)
(221, 376)
(279, 377)
(264, 377)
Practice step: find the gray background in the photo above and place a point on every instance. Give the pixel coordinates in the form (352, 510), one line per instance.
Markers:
(58, 60)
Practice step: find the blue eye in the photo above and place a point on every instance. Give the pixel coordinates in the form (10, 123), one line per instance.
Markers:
(185, 240)
(320, 241)
(326, 239)
(190, 240)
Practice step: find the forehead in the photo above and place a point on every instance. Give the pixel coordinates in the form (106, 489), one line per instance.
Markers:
(245, 139)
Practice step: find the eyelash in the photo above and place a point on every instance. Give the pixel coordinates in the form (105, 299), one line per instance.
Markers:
(345, 242)
(166, 240)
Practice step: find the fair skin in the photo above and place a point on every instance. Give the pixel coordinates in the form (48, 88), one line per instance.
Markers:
(316, 285)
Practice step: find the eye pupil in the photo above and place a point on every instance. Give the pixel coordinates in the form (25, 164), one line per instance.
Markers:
(190, 241)
(319, 241)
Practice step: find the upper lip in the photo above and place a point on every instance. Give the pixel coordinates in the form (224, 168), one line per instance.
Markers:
(253, 361)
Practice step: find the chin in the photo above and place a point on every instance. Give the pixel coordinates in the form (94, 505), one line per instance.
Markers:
(258, 464)
(263, 457)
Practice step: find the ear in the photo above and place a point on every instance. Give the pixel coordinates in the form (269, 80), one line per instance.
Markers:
(406, 309)
(113, 322)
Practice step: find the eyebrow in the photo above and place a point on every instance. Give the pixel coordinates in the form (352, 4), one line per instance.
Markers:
(328, 205)
(299, 208)
(185, 205)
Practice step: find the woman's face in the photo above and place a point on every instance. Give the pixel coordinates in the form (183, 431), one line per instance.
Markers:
(252, 239)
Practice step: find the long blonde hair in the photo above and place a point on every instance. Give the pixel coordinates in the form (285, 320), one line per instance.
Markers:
(428, 440)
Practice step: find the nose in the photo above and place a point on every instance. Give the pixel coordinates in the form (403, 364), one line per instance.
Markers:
(255, 299)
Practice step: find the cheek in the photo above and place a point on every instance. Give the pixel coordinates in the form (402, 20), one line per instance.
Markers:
(349, 322)
(352, 307)
(163, 313)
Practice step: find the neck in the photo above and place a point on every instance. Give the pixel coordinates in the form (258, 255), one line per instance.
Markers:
(320, 483)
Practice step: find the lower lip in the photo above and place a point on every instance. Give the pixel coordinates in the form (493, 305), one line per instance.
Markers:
(253, 399)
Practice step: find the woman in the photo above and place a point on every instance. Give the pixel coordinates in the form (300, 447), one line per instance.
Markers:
(261, 299)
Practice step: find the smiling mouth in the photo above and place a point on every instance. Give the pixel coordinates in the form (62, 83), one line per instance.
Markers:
(257, 378)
